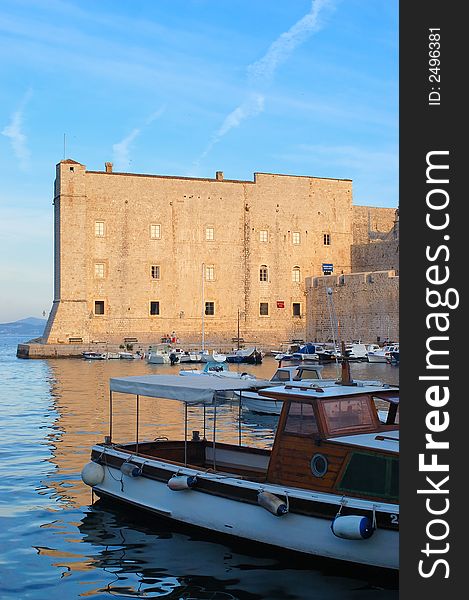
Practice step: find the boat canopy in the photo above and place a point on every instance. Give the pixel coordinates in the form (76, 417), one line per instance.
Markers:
(192, 389)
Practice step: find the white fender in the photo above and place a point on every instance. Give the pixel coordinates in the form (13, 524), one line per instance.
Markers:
(181, 482)
(352, 527)
(272, 503)
(131, 470)
(92, 474)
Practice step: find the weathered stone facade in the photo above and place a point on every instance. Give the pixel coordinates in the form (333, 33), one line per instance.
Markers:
(366, 306)
(129, 244)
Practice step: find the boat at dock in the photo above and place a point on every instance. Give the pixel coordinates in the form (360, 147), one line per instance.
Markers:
(383, 355)
(250, 356)
(158, 355)
(328, 487)
(94, 355)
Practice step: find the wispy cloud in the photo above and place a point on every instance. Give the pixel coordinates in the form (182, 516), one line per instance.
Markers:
(121, 150)
(261, 72)
(14, 131)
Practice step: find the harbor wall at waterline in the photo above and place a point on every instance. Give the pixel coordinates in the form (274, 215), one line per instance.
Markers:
(366, 306)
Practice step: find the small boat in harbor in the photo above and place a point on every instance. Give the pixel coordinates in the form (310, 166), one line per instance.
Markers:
(383, 355)
(94, 355)
(250, 356)
(216, 369)
(158, 355)
(328, 487)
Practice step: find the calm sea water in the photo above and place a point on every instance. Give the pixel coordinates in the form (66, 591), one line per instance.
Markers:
(55, 543)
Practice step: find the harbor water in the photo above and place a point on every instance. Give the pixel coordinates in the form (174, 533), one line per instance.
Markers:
(58, 542)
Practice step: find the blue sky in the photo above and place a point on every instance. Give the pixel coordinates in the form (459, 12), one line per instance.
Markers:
(187, 87)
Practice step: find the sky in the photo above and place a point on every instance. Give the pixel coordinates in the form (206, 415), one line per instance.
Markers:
(188, 88)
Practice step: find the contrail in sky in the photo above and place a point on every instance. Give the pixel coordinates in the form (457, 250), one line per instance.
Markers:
(121, 150)
(261, 72)
(14, 131)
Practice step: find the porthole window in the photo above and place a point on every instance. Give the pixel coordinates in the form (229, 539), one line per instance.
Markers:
(319, 465)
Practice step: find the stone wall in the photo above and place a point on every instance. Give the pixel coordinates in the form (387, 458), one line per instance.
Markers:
(295, 213)
(372, 223)
(366, 305)
(377, 256)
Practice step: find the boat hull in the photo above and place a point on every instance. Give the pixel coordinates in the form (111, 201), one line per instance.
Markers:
(221, 513)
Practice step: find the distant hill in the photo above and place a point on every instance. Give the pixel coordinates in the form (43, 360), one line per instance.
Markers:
(28, 326)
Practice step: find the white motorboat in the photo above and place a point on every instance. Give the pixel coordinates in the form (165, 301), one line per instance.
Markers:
(206, 356)
(158, 355)
(383, 355)
(94, 355)
(328, 487)
(257, 403)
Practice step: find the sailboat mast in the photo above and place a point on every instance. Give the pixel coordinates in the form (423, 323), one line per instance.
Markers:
(203, 306)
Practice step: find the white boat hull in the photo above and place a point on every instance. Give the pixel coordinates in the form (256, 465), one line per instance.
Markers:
(303, 533)
(261, 404)
(158, 359)
(376, 358)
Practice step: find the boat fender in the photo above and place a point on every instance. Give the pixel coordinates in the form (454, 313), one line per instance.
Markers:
(92, 474)
(182, 482)
(352, 527)
(130, 469)
(272, 503)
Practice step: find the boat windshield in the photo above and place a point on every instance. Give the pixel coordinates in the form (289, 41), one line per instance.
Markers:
(306, 374)
(301, 419)
(345, 414)
(281, 375)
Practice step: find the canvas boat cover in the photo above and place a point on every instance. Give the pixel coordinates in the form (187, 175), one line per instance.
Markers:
(192, 389)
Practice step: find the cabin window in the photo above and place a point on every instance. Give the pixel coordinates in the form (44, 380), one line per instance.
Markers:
(99, 270)
(371, 475)
(263, 273)
(296, 275)
(210, 273)
(155, 232)
(306, 374)
(99, 228)
(154, 307)
(264, 309)
(319, 465)
(281, 376)
(345, 414)
(155, 272)
(210, 308)
(295, 237)
(327, 239)
(209, 233)
(301, 419)
(99, 307)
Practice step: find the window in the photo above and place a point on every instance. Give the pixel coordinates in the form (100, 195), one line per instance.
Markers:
(209, 273)
(263, 235)
(154, 307)
(263, 273)
(99, 228)
(264, 309)
(327, 239)
(99, 307)
(99, 270)
(301, 419)
(155, 232)
(296, 275)
(296, 309)
(155, 272)
(348, 413)
(209, 233)
(371, 475)
(210, 308)
(295, 237)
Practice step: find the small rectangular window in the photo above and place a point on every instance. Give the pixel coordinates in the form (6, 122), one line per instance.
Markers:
(327, 239)
(99, 307)
(301, 419)
(210, 308)
(154, 307)
(99, 270)
(209, 233)
(296, 309)
(263, 235)
(295, 236)
(155, 272)
(210, 273)
(99, 228)
(155, 232)
(264, 309)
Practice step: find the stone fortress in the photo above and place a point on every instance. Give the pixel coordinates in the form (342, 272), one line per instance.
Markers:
(140, 256)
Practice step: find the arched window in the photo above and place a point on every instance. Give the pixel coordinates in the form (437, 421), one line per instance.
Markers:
(296, 275)
(263, 273)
